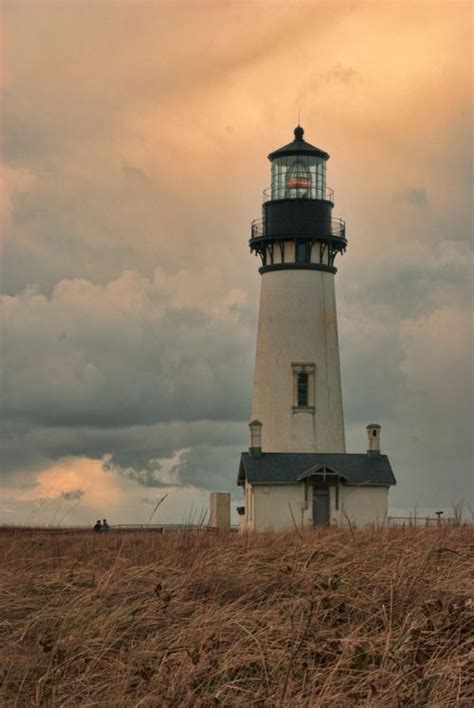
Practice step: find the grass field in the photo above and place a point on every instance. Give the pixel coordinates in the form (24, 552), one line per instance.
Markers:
(329, 618)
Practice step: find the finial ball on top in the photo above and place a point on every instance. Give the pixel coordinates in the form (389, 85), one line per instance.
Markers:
(299, 132)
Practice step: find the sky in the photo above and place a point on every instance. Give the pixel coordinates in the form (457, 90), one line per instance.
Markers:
(134, 143)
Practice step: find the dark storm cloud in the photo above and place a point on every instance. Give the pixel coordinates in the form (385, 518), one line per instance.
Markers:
(193, 467)
(145, 477)
(124, 371)
(134, 451)
(419, 281)
(120, 354)
(205, 466)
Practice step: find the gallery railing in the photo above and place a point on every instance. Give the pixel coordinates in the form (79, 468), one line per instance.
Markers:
(311, 191)
(337, 230)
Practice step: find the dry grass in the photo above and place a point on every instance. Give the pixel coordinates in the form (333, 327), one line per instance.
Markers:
(380, 618)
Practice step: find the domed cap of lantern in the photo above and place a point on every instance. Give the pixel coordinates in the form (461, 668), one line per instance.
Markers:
(298, 147)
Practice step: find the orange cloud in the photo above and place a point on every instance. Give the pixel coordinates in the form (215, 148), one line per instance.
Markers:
(68, 474)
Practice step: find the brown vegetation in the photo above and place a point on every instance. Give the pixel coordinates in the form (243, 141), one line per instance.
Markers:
(375, 618)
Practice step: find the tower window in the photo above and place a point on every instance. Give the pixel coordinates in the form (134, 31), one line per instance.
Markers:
(302, 252)
(303, 390)
(303, 387)
(374, 433)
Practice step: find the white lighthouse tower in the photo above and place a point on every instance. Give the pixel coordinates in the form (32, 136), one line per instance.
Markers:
(297, 470)
(297, 385)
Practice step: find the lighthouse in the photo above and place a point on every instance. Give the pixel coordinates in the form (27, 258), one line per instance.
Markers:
(297, 384)
(297, 470)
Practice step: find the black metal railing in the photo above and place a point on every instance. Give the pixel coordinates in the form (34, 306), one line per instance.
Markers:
(338, 229)
(316, 192)
(428, 521)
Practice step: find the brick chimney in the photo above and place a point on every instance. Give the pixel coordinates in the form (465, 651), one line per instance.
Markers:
(373, 445)
(255, 448)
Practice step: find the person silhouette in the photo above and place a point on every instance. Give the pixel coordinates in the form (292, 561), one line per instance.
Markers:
(98, 526)
(105, 526)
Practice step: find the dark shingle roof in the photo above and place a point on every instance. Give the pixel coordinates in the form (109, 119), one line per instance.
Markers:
(290, 468)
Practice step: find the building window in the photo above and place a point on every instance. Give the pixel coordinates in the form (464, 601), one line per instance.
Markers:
(302, 252)
(374, 433)
(304, 387)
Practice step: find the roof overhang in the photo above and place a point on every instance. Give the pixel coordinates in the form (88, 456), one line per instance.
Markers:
(241, 477)
(349, 469)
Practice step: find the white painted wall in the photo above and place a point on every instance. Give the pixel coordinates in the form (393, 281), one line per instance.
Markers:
(298, 323)
(272, 511)
(267, 507)
(219, 510)
(363, 505)
(249, 517)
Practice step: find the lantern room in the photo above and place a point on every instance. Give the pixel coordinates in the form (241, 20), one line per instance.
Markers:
(298, 170)
(297, 228)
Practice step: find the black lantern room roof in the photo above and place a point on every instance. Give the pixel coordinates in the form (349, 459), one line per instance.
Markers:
(298, 147)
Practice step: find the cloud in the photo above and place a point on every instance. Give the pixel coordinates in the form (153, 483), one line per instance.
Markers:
(132, 372)
(209, 467)
(341, 73)
(130, 352)
(73, 495)
(105, 494)
(5, 510)
(415, 195)
(154, 472)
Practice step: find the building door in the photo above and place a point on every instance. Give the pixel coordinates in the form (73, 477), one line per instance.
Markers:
(320, 506)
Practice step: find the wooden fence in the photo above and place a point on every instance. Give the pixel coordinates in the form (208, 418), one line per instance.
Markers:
(157, 528)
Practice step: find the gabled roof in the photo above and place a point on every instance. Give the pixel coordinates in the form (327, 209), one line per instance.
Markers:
(298, 147)
(291, 468)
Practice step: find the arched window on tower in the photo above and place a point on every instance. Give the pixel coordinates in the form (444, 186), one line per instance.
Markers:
(304, 386)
